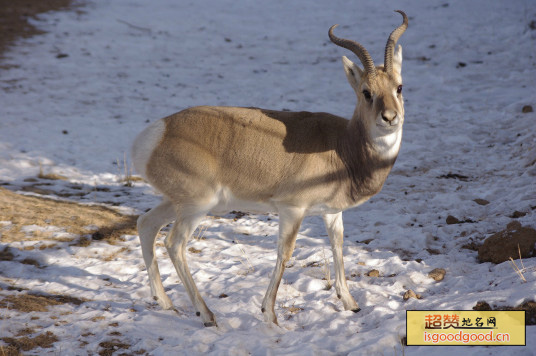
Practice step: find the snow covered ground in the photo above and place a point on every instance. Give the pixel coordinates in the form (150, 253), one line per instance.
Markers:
(77, 96)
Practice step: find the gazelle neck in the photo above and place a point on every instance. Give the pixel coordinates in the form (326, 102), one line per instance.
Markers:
(368, 155)
(386, 142)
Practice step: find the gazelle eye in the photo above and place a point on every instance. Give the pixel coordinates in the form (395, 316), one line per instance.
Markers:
(367, 95)
(399, 89)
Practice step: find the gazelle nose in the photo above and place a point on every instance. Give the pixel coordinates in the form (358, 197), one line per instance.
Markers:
(388, 115)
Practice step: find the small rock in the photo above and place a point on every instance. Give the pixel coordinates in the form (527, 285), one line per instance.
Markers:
(471, 246)
(98, 236)
(411, 294)
(518, 214)
(482, 306)
(461, 65)
(433, 251)
(451, 175)
(481, 201)
(437, 274)
(373, 273)
(526, 109)
(452, 220)
(510, 242)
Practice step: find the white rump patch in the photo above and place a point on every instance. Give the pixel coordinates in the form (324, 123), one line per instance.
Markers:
(144, 145)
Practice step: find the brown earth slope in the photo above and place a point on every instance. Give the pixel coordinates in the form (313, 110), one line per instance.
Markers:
(14, 15)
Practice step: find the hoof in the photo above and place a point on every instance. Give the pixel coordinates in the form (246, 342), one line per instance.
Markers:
(270, 318)
(210, 324)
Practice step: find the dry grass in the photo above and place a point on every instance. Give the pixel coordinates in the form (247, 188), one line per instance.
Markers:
(49, 176)
(125, 172)
(290, 311)
(200, 232)
(116, 254)
(194, 250)
(23, 210)
(26, 343)
(27, 303)
(9, 350)
(327, 272)
(518, 270)
(245, 262)
(111, 346)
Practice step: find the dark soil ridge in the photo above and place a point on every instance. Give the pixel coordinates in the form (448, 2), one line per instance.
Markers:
(14, 15)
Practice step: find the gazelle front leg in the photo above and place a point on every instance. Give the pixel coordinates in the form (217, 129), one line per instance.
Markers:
(335, 230)
(290, 220)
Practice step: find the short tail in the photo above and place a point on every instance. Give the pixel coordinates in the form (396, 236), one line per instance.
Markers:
(144, 145)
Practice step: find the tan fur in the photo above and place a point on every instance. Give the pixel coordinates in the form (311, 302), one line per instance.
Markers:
(301, 159)
(216, 159)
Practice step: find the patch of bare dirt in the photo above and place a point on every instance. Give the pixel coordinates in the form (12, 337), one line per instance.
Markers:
(14, 16)
(75, 218)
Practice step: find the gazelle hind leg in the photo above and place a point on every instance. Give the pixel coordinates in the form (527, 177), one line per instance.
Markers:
(175, 243)
(149, 224)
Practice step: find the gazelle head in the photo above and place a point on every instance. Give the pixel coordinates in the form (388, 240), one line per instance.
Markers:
(378, 88)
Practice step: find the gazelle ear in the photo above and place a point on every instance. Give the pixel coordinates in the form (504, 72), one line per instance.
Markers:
(397, 59)
(353, 72)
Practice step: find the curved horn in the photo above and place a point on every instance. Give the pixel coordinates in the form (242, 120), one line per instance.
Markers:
(357, 49)
(391, 42)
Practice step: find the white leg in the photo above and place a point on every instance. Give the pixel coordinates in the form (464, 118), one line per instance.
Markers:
(289, 223)
(149, 225)
(176, 245)
(335, 230)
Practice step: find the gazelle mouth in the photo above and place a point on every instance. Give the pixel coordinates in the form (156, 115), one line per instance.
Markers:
(388, 124)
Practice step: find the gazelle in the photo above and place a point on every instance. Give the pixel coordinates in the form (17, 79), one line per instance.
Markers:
(218, 159)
